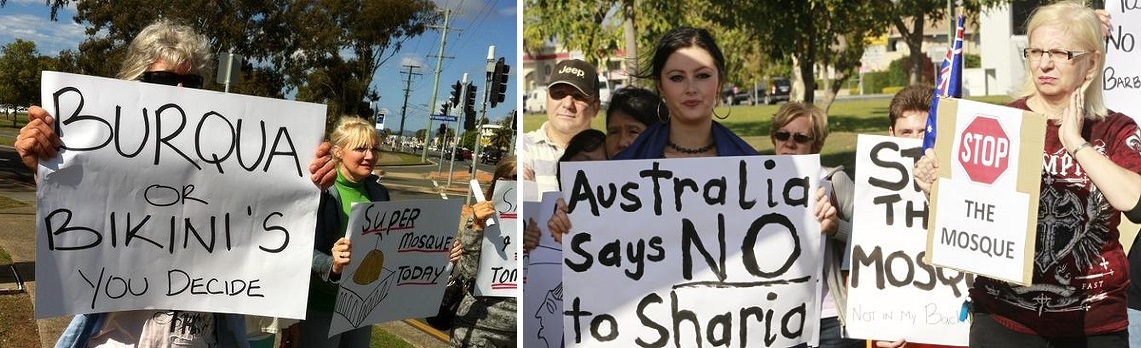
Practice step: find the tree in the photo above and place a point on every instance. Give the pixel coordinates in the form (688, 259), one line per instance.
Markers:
(326, 50)
(351, 42)
(20, 66)
(577, 25)
(810, 33)
(501, 138)
(917, 12)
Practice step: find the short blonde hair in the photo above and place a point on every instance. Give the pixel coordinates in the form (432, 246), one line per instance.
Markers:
(177, 44)
(1082, 24)
(817, 122)
(352, 132)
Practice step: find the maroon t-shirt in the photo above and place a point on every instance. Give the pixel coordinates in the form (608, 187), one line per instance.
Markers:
(1080, 270)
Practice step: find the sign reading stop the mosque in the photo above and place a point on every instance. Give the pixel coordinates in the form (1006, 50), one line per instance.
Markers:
(984, 204)
(984, 149)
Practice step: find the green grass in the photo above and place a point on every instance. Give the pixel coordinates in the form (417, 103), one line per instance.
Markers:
(5, 259)
(6, 203)
(383, 339)
(846, 120)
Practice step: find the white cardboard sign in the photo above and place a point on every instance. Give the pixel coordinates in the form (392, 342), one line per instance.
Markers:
(160, 191)
(892, 293)
(712, 244)
(400, 261)
(1121, 78)
(543, 287)
(498, 264)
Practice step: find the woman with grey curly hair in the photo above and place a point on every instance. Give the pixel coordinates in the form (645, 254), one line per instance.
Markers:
(167, 47)
(176, 55)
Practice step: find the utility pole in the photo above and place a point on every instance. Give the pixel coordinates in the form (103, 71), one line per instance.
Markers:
(404, 109)
(436, 83)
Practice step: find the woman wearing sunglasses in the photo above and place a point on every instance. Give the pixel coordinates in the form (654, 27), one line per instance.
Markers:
(170, 54)
(800, 129)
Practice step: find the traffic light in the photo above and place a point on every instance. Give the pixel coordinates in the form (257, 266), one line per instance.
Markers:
(445, 107)
(469, 108)
(443, 129)
(456, 90)
(499, 82)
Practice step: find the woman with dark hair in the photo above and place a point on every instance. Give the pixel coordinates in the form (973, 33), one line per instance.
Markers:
(687, 69)
(631, 110)
(587, 145)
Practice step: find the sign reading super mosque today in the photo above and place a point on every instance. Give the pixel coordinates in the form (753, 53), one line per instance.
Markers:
(174, 198)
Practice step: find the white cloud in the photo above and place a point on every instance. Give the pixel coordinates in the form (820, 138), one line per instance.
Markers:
(50, 37)
(411, 60)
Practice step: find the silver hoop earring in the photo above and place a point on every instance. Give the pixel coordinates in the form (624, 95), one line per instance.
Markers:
(719, 117)
(666, 118)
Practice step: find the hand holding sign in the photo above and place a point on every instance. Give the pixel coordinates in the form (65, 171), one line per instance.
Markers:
(37, 139)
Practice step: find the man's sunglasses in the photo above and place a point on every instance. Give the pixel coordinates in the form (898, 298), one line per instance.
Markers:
(797, 137)
(172, 79)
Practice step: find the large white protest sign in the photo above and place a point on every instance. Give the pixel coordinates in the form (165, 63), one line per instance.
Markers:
(692, 252)
(892, 293)
(399, 265)
(498, 263)
(985, 200)
(543, 289)
(174, 198)
(1121, 78)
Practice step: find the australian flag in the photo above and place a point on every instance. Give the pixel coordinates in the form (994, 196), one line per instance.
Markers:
(949, 83)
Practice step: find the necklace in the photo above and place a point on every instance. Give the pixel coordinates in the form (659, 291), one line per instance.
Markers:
(690, 151)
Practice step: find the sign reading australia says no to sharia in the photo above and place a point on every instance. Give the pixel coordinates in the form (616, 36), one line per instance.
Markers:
(174, 198)
(670, 253)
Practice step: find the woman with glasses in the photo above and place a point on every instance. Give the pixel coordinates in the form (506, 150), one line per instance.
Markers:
(1077, 296)
(482, 321)
(355, 153)
(800, 129)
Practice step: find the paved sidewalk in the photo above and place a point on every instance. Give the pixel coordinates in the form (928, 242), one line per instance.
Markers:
(18, 238)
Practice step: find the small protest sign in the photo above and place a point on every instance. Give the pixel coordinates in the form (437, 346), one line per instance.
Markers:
(985, 200)
(892, 293)
(399, 266)
(498, 264)
(543, 291)
(1121, 77)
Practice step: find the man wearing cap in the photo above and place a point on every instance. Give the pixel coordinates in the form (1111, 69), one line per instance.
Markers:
(572, 103)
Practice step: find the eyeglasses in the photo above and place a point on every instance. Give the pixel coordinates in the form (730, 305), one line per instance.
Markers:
(172, 79)
(560, 93)
(797, 137)
(1055, 54)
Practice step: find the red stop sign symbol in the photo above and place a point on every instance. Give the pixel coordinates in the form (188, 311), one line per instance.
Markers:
(984, 150)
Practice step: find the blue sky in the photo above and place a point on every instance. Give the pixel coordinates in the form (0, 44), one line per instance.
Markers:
(476, 25)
